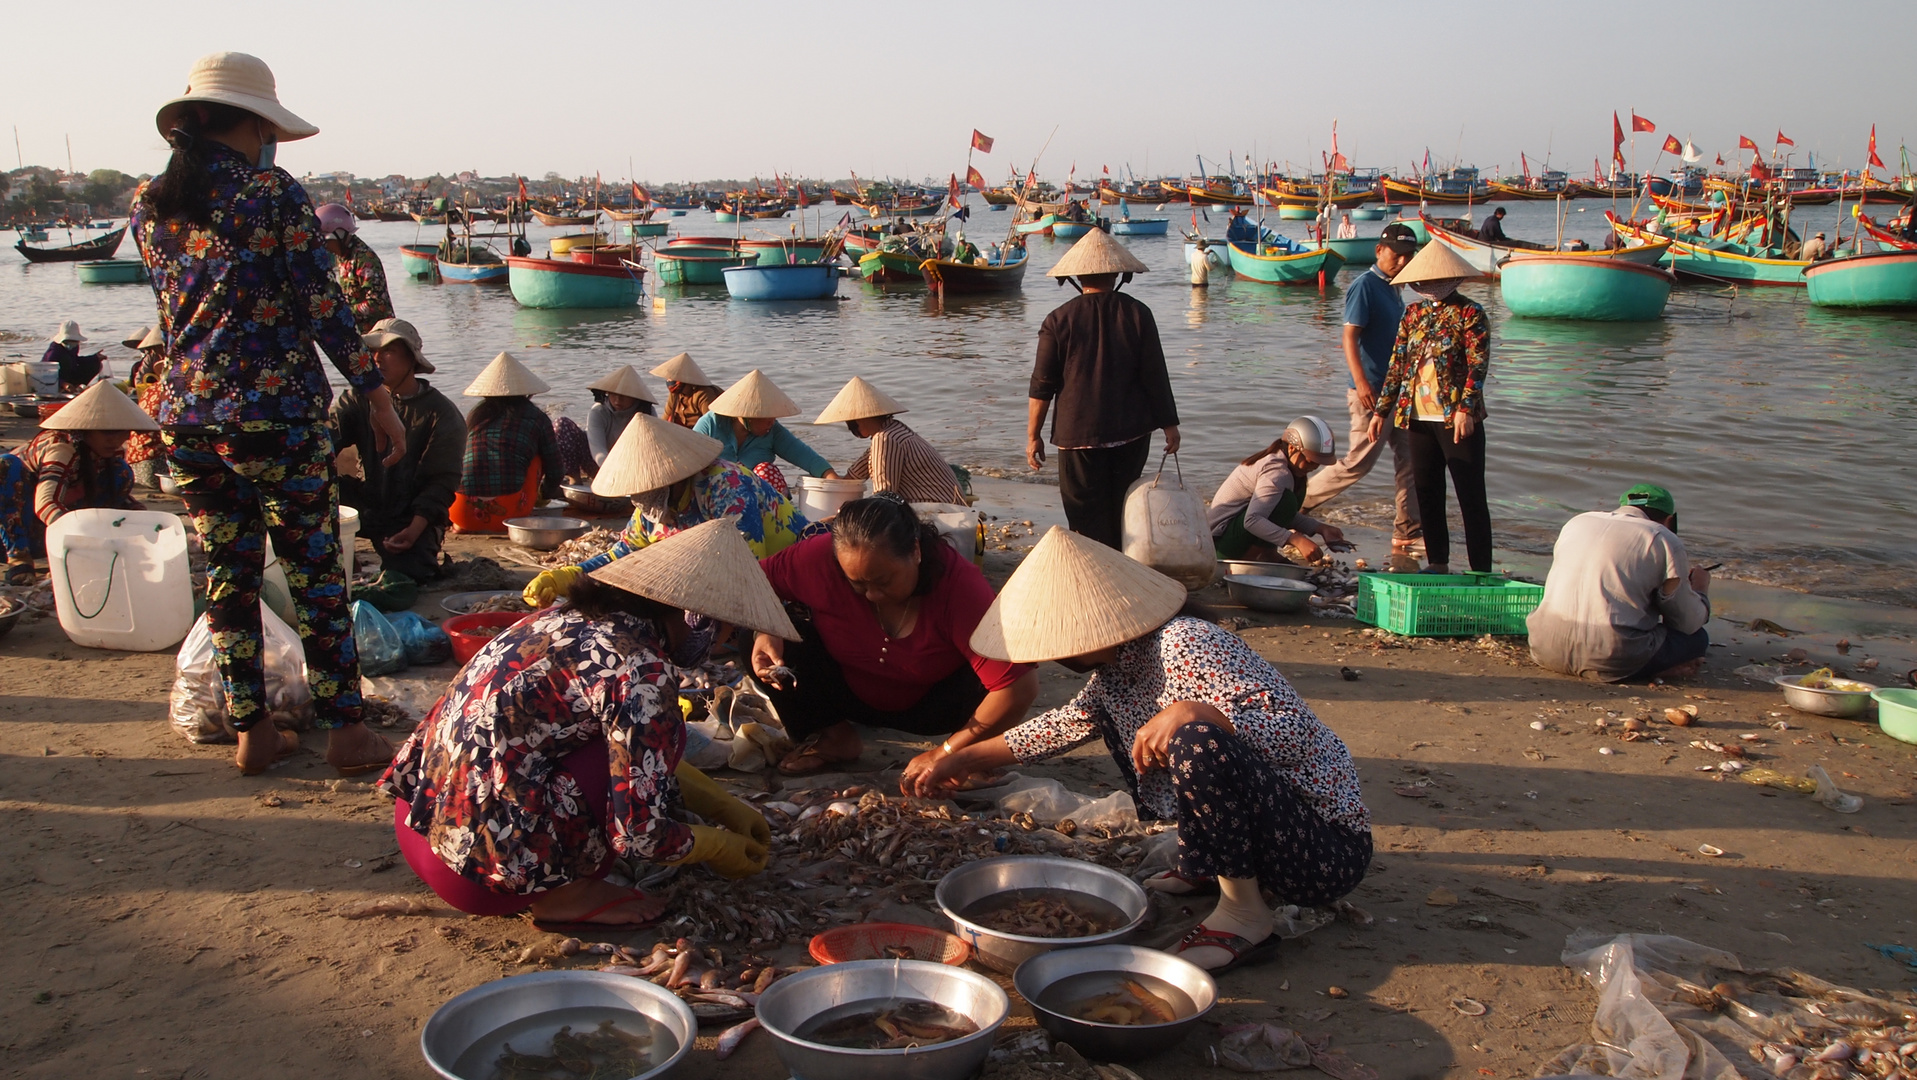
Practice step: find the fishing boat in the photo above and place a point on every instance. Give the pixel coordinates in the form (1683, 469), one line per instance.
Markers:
(1072, 230)
(386, 214)
(1217, 193)
(1371, 213)
(946, 276)
(1275, 265)
(111, 271)
(1356, 251)
(1487, 257)
(690, 265)
(428, 217)
(1606, 191)
(999, 196)
(640, 229)
(1140, 226)
(472, 264)
(1561, 285)
(1399, 191)
(1883, 279)
(551, 283)
(781, 252)
(782, 281)
(1216, 257)
(1284, 198)
(641, 214)
(1522, 192)
(419, 261)
(563, 220)
(1882, 235)
(1042, 227)
(607, 254)
(98, 247)
(682, 240)
(1693, 255)
(561, 245)
(890, 267)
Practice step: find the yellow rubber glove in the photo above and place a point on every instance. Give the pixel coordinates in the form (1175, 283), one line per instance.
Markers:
(707, 799)
(550, 585)
(728, 853)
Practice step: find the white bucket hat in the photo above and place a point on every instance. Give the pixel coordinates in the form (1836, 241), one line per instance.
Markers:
(387, 331)
(69, 333)
(708, 569)
(625, 382)
(100, 407)
(755, 397)
(1073, 596)
(240, 80)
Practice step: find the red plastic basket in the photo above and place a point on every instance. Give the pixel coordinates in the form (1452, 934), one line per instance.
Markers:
(868, 941)
(460, 629)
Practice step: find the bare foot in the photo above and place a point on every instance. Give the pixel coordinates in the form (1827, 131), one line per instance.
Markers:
(575, 901)
(354, 748)
(263, 744)
(837, 745)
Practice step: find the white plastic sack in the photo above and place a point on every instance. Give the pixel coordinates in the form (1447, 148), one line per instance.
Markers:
(1165, 529)
(198, 703)
(1051, 802)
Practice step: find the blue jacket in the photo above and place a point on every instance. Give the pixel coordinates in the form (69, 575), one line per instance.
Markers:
(759, 450)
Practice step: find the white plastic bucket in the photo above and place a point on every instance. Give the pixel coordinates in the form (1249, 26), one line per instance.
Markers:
(278, 592)
(120, 578)
(960, 525)
(820, 498)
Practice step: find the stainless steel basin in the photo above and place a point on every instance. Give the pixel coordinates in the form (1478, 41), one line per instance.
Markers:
(973, 882)
(787, 1005)
(470, 1017)
(1115, 1042)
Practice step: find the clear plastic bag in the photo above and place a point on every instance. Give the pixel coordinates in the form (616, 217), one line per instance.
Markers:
(425, 643)
(381, 651)
(1165, 528)
(1256, 1048)
(1051, 802)
(197, 705)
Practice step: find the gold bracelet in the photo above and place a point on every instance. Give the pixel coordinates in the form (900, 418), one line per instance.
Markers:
(947, 747)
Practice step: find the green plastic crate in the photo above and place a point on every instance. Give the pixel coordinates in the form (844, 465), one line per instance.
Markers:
(1446, 605)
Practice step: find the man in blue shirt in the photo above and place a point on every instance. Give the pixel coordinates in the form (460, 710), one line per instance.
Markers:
(1372, 311)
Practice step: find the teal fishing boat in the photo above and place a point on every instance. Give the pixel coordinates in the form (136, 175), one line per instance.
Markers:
(1072, 230)
(1147, 226)
(1362, 251)
(1370, 213)
(784, 252)
(1042, 225)
(419, 261)
(1275, 265)
(1288, 212)
(550, 283)
(641, 229)
(1883, 279)
(1557, 286)
(111, 271)
(1694, 255)
(692, 265)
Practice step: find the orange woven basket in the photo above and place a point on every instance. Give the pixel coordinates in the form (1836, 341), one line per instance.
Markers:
(869, 941)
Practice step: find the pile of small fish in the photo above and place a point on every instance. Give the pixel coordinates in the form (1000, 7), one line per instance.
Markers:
(605, 1053)
(476, 574)
(719, 989)
(37, 598)
(380, 712)
(580, 548)
(1803, 1028)
(513, 604)
(1037, 916)
(906, 1026)
(1132, 1006)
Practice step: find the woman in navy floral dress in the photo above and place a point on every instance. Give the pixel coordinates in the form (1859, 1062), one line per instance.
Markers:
(1205, 731)
(559, 745)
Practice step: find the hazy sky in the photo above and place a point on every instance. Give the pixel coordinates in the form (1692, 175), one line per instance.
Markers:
(699, 90)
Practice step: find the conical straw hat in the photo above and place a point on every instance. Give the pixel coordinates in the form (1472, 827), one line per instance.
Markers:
(1097, 253)
(681, 369)
(132, 340)
(652, 454)
(1435, 262)
(625, 381)
(153, 339)
(100, 407)
(858, 401)
(507, 377)
(1072, 596)
(707, 569)
(754, 397)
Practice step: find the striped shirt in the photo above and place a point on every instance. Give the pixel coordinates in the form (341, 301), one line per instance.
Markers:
(899, 460)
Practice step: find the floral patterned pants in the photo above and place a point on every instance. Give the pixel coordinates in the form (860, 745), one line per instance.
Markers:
(19, 531)
(239, 488)
(1238, 818)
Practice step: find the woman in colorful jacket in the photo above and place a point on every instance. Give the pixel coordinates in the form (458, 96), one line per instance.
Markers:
(76, 462)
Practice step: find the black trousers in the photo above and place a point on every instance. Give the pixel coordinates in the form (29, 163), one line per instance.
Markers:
(822, 698)
(1092, 483)
(1432, 455)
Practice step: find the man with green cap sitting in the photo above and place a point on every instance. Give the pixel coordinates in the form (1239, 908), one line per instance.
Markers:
(1622, 602)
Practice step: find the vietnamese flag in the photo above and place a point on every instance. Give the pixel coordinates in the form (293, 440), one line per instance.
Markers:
(522, 189)
(803, 202)
(1781, 140)
(1639, 123)
(1720, 159)
(1672, 146)
(952, 193)
(981, 143)
(1745, 142)
(1874, 159)
(975, 178)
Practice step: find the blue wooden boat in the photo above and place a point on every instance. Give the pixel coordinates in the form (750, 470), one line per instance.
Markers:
(112, 271)
(1370, 213)
(782, 281)
(1883, 279)
(419, 261)
(1147, 226)
(551, 283)
(1280, 266)
(640, 229)
(1289, 212)
(1360, 251)
(692, 264)
(1563, 286)
(1072, 230)
(474, 273)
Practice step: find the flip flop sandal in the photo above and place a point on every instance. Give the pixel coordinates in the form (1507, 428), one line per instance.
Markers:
(795, 763)
(289, 745)
(585, 925)
(1243, 953)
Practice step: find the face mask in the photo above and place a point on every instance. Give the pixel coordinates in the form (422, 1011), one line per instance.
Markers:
(1435, 290)
(268, 151)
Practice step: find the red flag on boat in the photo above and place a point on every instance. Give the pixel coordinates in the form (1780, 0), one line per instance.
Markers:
(803, 202)
(778, 185)
(1339, 161)
(1781, 140)
(1720, 159)
(1745, 142)
(952, 193)
(975, 178)
(1874, 159)
(1106, 169)
(1672, 146)
(1617, 139)
(981, 143)
(349, 194)
(1526, 162)
(522, 189)
(1639, 123)
(1597, 171)
(1031, 178)
(639, 194)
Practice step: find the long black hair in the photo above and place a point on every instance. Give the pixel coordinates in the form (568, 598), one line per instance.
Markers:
(888, 522)
(491, 410)
(182, 191)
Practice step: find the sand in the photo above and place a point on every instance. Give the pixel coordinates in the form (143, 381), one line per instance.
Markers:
(170, 918)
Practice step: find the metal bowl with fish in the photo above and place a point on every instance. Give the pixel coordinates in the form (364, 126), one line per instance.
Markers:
(524, 1022)
(1261, 592)
(544, 533)
(1013, 908)
(1116, 1002)
(1229, 567)
(581, 498)
(883, 1020)
(1825, 696)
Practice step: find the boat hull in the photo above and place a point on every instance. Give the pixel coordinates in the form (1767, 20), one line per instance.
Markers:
(779, 253)
(562, 245)
(1071, 230)
(112, 271)
(1032, 228)
(890, 267)
(1284, 269)
(1885, 279)
(1296, 213)
(782, 281)
(1487, 258)
(550, 283)
(98, 248)
(1141, 226)
(961, 279)
(419, 261)
(687, 265)
(1370, 213)
(647, 228)
(563, 220)
(474, 273)
(1215, 255)
(1698, 260)
(1591, 290)
(1360, 251)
